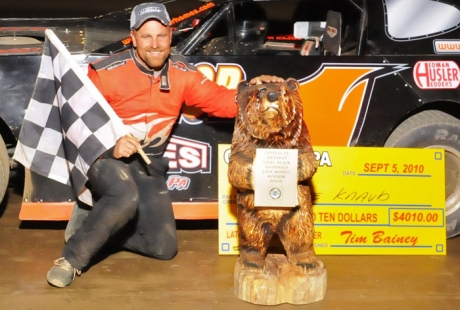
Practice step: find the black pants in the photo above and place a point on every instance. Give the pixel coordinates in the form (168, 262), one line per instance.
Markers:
(132, 211)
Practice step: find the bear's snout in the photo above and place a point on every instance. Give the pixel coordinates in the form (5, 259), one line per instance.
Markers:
(272, 96)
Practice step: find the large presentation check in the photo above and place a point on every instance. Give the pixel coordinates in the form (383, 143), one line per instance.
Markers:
(382, 201)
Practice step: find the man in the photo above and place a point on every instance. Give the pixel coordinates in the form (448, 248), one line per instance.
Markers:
(146, 87)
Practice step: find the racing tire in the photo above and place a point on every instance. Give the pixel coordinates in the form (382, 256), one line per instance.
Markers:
(436, 129)
(4, 169)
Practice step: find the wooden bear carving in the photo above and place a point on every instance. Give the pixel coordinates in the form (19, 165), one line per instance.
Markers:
(271, 116)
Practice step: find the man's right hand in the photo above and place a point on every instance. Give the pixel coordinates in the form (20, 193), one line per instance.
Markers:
(126, 146)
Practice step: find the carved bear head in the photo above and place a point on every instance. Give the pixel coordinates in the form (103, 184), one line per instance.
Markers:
(270, 110)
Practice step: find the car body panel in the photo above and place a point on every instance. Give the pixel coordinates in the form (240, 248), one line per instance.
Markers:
(353, 99)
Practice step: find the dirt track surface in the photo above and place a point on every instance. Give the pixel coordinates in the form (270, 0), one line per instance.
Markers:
(198, 278)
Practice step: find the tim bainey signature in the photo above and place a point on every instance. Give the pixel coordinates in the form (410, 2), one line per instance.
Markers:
(364, 196)
(378, 237)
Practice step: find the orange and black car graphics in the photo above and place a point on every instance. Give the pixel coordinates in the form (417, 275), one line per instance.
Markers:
(381, 73)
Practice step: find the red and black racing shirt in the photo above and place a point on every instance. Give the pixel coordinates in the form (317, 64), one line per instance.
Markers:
(150, 105)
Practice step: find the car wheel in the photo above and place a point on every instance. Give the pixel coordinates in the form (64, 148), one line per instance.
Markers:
(4, 169)
(436, 129)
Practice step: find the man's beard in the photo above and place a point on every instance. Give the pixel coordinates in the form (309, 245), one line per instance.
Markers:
(155, 62)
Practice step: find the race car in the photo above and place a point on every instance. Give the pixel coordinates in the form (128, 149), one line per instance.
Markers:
(372, 73)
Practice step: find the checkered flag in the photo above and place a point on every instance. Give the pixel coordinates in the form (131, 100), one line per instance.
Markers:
(68, 123)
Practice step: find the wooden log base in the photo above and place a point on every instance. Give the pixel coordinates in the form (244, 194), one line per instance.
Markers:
(279, 282)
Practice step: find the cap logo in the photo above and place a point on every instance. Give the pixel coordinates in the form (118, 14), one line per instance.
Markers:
(149, 10)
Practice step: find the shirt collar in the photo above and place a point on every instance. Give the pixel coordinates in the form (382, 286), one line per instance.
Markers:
(164, 76)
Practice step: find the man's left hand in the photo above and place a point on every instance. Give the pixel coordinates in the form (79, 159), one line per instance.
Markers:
(266, 79)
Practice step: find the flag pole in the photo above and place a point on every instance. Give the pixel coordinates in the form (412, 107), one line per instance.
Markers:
(142, 153)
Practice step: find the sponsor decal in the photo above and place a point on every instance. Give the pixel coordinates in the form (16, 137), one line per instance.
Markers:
(446, 46)
(189, 116)
(337, 95)
(224, 74)
(331, 31)
(436, 74)
(188, 156)
(192, 13)
(178, 182)
(307, 47)
(150, 9)
(284, 37)
(126, 41)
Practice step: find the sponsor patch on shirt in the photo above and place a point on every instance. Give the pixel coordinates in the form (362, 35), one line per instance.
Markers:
(180, 65)
(115, 65)
(204, 79)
